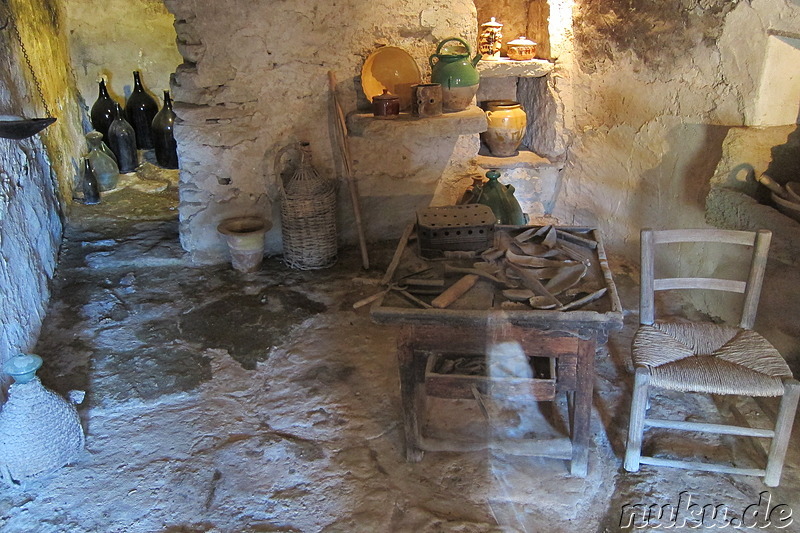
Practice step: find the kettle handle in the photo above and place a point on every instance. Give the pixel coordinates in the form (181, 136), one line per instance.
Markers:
(430, 60)
(459, 39)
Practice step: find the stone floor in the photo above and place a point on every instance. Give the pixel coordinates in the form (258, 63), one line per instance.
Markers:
(227, 402)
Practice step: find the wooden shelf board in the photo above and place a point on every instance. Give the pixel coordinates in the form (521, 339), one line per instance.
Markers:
(467, 122)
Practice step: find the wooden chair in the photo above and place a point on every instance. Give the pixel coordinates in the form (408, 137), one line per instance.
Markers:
(706, 357)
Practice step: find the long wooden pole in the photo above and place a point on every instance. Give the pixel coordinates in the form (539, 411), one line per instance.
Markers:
(344, 148)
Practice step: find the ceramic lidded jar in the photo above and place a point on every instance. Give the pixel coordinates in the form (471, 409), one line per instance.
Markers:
(521, 49)
(490, 40)
(386, 105)
(506, 126)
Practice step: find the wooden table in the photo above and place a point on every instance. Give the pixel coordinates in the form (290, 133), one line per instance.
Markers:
(568, 339)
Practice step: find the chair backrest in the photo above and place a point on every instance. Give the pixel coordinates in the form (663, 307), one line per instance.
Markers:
(751, 287)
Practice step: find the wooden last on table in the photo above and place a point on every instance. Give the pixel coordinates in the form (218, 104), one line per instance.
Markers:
(476, 321)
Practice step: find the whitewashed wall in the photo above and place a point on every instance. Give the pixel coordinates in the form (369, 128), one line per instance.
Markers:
(255, 80)
(37, 174)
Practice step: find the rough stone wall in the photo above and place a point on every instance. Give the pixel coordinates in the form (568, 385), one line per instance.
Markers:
(33, 170)
(112, 42)
(255, 80)
(654, 87)
(41, 28)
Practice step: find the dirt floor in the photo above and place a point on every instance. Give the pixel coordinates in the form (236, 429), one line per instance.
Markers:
(227, 402)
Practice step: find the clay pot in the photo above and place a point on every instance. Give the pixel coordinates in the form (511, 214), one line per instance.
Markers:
(245, 239)
(506, 126)
(521, 49)
(386, 105)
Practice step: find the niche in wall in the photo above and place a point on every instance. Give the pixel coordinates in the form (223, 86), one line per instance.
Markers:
(519, 17)
(113, 41)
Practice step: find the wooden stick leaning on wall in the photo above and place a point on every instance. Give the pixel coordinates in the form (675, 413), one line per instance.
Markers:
(344, 150)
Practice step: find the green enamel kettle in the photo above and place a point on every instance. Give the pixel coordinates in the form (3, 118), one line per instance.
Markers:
(456, 73)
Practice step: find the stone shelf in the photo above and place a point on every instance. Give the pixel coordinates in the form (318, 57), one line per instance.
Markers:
(523, 159)
(508, 68)
(470, 121)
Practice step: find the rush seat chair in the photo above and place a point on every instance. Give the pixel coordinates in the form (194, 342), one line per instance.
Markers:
(706, 357)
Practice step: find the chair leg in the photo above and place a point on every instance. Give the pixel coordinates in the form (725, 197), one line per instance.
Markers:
(633, 448)
(783, 430)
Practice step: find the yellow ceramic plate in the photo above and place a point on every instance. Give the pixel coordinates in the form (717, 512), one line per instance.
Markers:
(393, 69)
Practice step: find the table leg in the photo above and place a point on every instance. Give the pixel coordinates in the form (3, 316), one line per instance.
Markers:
(409, 396)
(579, 466)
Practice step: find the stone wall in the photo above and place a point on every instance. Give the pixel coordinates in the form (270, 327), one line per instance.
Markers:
(255, 80)
(112, 42)
(37, 174)
(654, 88)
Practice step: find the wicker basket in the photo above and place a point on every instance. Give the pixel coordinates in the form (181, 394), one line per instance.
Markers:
(308, 214)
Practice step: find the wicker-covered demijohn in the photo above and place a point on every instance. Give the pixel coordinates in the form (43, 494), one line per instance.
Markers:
(308, 214)
(39, 430)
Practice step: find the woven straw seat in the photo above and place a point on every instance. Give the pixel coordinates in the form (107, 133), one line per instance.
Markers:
(703, 357)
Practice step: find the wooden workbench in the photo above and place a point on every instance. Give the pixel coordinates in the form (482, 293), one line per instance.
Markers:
(568, 339)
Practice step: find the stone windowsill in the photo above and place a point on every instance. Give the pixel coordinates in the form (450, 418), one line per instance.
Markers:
(507, 68)
(470, 121)
(523, 159)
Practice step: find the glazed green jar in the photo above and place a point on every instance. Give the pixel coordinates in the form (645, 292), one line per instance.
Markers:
(500, 198)
(456, 73)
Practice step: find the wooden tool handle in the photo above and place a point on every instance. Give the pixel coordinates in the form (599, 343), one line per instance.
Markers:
(772, 185)
(455, 291)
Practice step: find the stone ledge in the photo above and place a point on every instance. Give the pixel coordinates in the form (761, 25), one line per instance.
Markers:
(731, 209)
(523, 159)
(507, 68)
(470, 121)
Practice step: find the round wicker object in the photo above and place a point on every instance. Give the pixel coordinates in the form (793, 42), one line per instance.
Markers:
(308, 214)
(39, 433)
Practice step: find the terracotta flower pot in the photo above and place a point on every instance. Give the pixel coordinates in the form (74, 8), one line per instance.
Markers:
(245, 239)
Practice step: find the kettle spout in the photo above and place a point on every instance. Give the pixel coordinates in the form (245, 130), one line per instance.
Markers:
(476, 59)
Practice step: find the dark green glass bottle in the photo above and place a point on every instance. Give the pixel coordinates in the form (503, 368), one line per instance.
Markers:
(140, 109)
(122, 141)
(163, 138)
(91, 190)
(103, 110)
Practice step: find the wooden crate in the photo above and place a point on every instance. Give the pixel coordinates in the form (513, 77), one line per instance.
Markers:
(463, 386)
